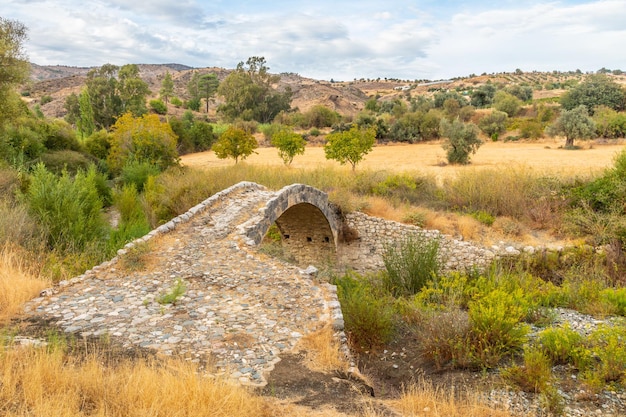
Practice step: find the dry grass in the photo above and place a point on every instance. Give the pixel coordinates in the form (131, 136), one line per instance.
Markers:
(19, 282)
(47, 382)
(42, 383)
(323, 351)
(425, 400)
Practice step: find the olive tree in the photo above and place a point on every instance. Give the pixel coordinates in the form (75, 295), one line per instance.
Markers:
(573, 124)
(462, 140)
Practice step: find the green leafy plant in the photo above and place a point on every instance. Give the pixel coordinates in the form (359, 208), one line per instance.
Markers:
(410, 263)
(367, 312)
(171, 297)
(496, 328)
(560, 344)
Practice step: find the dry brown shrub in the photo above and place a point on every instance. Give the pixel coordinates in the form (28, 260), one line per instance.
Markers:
(323, 351)
(423, 399)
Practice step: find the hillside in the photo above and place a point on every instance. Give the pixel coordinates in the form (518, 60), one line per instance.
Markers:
(347, 97)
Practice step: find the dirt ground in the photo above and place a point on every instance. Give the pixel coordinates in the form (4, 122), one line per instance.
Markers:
(545, 156)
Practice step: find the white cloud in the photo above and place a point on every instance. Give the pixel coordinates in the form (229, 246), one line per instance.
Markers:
(344, 40)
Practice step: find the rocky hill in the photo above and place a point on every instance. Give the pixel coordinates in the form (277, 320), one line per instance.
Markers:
(347, 98)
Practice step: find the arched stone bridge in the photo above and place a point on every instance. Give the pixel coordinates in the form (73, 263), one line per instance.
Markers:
(240, 308)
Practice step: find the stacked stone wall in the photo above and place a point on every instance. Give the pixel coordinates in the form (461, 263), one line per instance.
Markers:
(372, 234)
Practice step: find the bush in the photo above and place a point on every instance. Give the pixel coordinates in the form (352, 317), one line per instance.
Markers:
(98, 144)
(367, 312)
(615, 297)
(535, 375)
(69, 208)
(158, 106)
(137, 173)
(411, 263)
(496, 328)
(176, 102)
(443, 338)
(70, 161)
(560, 344)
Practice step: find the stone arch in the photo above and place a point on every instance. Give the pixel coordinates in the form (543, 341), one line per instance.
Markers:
(308, 222)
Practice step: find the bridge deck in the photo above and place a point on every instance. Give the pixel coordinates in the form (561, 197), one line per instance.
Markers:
(240, 310)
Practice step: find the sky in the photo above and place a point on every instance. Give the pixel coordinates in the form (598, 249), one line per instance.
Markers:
(324, 39)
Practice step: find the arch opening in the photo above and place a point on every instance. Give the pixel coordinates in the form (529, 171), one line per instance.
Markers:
(306, 236)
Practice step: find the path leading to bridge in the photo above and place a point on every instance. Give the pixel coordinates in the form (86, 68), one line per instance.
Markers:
(240, 309)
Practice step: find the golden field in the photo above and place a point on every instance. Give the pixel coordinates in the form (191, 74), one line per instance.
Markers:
(430, 158)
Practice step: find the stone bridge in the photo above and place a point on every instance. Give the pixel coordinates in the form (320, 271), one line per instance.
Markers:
(240, 309)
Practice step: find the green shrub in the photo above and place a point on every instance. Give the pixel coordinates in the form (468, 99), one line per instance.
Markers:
(496, 328)
(70, 161)
(98, 144)
(315, 132)
(616, 298)
(45, 99)
(560, 344)
(137, 173)
(483, 217)
(608, 345)
(535, 375)
(176, 102)
(368, 314)
(69, 208)
(410, 263)
(158, 106)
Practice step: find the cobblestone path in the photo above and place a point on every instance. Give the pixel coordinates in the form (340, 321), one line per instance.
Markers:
(240, 308)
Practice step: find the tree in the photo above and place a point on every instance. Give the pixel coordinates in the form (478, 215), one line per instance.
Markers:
(483, 96)
(249, 94)
(596, 90)
(72, 109)
(14, 68)
(235, 143)
(85, 123)
(573, 124)
(493, 124)
(208, 85)
(350, 146)
(289, 144)
(132, 90)
(462, 140)
(507, 103)
(193, 88)
(167, 87)
(142, 139)
(105, 101)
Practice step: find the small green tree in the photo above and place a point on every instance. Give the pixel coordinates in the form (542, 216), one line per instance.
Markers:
(167, 87)
(289, 144)
(350, 146)
(462, 140)
(493, 124)
(235, 143)
(573, 124)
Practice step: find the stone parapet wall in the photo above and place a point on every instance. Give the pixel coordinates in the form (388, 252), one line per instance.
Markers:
(364, 253)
